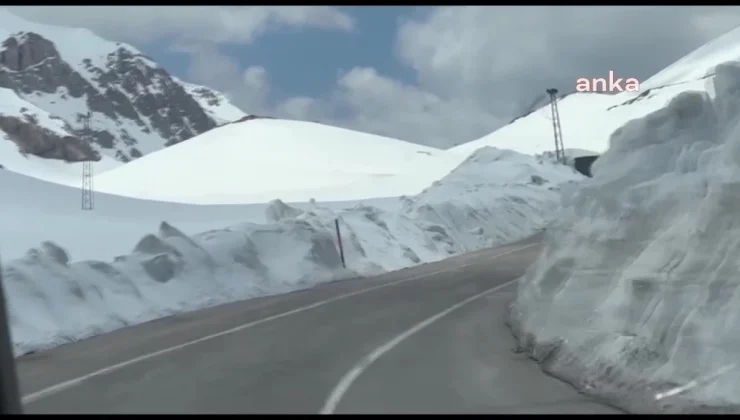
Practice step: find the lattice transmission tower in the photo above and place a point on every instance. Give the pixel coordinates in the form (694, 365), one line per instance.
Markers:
(88, 202)
(558, 133)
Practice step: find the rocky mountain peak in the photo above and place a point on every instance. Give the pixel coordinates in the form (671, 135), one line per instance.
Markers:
(136, 106)
(26, 50)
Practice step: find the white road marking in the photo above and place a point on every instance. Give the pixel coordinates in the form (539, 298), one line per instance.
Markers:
(34, 396)
(350, 377)
(695, 382)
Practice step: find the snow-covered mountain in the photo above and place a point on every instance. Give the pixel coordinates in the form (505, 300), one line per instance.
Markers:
(588, 119)
(28, 128)
(53, 76)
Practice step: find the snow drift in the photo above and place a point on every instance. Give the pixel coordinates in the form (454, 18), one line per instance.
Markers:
(636, 292)
(489, 199)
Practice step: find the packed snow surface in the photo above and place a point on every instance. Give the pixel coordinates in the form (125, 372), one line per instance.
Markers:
(256, 160)
(42, 211)
(132, 260)
(51, 170)
(637, 290)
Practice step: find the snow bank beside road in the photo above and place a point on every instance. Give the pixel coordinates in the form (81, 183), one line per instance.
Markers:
(53, 301)
(637, 291)
(493, 197)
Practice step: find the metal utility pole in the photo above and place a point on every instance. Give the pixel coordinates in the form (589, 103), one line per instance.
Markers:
(339, 240)
(87, 171)
(558, 133)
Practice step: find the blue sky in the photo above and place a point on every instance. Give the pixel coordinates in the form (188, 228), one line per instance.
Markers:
(432, 75)
(306, 61)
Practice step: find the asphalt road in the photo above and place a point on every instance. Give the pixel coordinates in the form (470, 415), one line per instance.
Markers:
(429, 339)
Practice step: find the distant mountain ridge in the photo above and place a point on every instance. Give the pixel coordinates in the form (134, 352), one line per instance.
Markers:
(58, 75)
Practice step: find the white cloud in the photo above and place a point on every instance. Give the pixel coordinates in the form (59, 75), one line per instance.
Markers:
(247, 88)
(501, 57)
(302, 108)
(257, 84)
(385, 106)
(476, 67)
(216, 24)
(362, 100)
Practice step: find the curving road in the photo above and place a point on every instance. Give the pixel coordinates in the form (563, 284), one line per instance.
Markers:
(429, 339)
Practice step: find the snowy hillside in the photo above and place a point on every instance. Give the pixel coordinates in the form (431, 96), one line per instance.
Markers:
(137, 107)
(637, 294)
(132, 276)
(588, 119)
(257, 160)
(520, 189)
(26, 128)
(216, 104)
(700, 62)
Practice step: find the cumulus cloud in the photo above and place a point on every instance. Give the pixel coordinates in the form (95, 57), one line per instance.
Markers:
(362, 100)
(500, 58)
(385, 106)
(478, 67)
(199, 32)
(475, 67)
(214, 24)
(248, 88)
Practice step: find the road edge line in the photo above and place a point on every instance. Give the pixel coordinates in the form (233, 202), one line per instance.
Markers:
(53, 389)
(339, 390)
